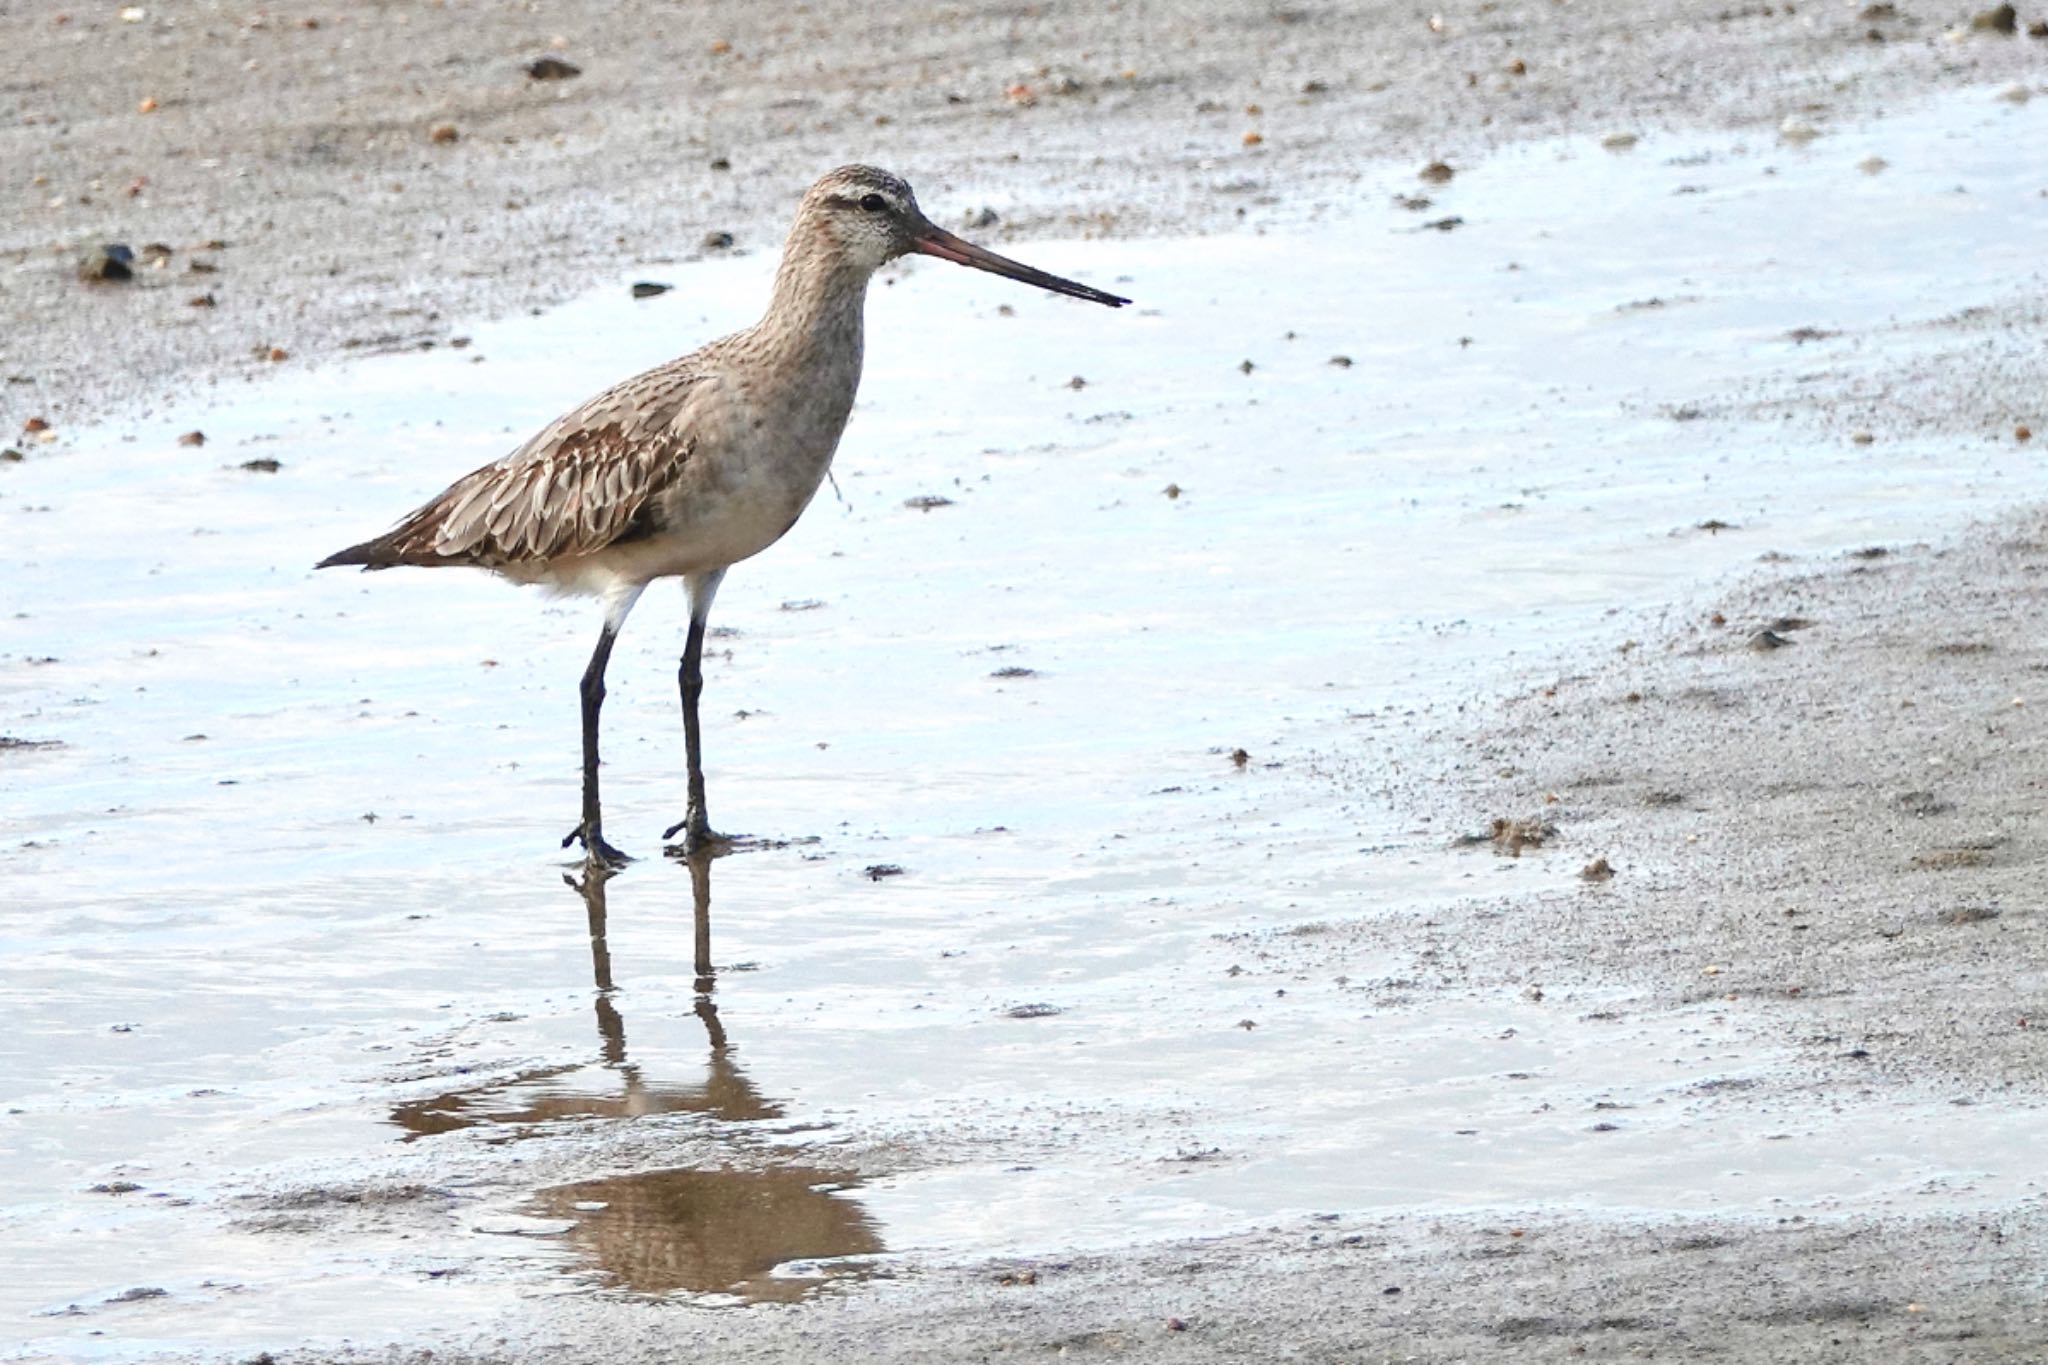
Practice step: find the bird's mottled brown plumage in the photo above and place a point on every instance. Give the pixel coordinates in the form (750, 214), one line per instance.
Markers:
(685, 450)
(695, 465)
(589, 480)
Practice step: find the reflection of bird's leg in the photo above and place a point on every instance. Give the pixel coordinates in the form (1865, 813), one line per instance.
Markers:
(707, 973)
(611, 1027)
(729, 1093)
(700, 896)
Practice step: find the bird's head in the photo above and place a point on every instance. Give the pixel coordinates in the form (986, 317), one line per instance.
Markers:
(867, 218)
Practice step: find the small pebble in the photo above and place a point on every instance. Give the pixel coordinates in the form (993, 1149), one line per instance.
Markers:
(2002, 19)
(110, 262)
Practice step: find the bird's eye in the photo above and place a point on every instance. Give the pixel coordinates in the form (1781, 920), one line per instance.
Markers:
(873, 203)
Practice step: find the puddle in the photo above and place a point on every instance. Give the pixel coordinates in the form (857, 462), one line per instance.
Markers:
(716, 1232)
(283, 910)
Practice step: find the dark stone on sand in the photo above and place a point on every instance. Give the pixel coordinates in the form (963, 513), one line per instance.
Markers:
(110, 262)
(2002, 19)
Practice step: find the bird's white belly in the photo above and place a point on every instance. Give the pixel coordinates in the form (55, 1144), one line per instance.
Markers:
(718, 525)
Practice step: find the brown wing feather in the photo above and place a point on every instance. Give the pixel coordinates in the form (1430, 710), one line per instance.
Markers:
(580, 485)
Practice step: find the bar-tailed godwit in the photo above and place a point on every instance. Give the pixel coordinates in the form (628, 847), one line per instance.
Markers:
(695, 465)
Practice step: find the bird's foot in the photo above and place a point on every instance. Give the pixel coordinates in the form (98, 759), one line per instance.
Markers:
(597, 853)
(698, 837)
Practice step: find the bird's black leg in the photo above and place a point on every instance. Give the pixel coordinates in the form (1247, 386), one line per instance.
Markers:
(695, 826)
(590, 830)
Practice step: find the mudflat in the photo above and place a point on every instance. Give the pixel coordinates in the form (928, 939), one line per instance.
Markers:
(1622, 938)
(381, 175)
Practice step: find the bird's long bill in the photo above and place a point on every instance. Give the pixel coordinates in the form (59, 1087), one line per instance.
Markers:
(936, 241)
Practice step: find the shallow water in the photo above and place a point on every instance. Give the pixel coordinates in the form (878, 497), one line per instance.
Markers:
(284, 924)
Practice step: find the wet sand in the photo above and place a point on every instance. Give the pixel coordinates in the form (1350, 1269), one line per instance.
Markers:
(1766, 1092)
(1825, 861)
(301, 137)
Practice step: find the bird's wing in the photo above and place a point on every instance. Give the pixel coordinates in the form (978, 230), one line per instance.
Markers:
(579, 486)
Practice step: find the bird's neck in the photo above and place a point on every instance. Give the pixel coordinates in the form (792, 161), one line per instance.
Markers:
(817, 304)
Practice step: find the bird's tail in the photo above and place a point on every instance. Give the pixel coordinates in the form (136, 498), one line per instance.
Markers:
(380, 553)
(354, 554)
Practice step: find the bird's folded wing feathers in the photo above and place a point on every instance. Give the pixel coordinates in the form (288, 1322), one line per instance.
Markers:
(579, 486)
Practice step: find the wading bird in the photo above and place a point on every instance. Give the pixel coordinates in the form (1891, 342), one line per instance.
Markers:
(695, 465)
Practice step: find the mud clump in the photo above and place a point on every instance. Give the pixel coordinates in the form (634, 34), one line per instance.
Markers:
(2000, 19)
(1510, 837)
(1947, 859)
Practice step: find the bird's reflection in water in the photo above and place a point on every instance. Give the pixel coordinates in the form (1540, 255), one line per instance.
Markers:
(719, 1231)
(615, 1086)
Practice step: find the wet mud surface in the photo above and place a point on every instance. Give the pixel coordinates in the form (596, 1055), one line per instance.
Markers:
(1288, 831)
(406, 157)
